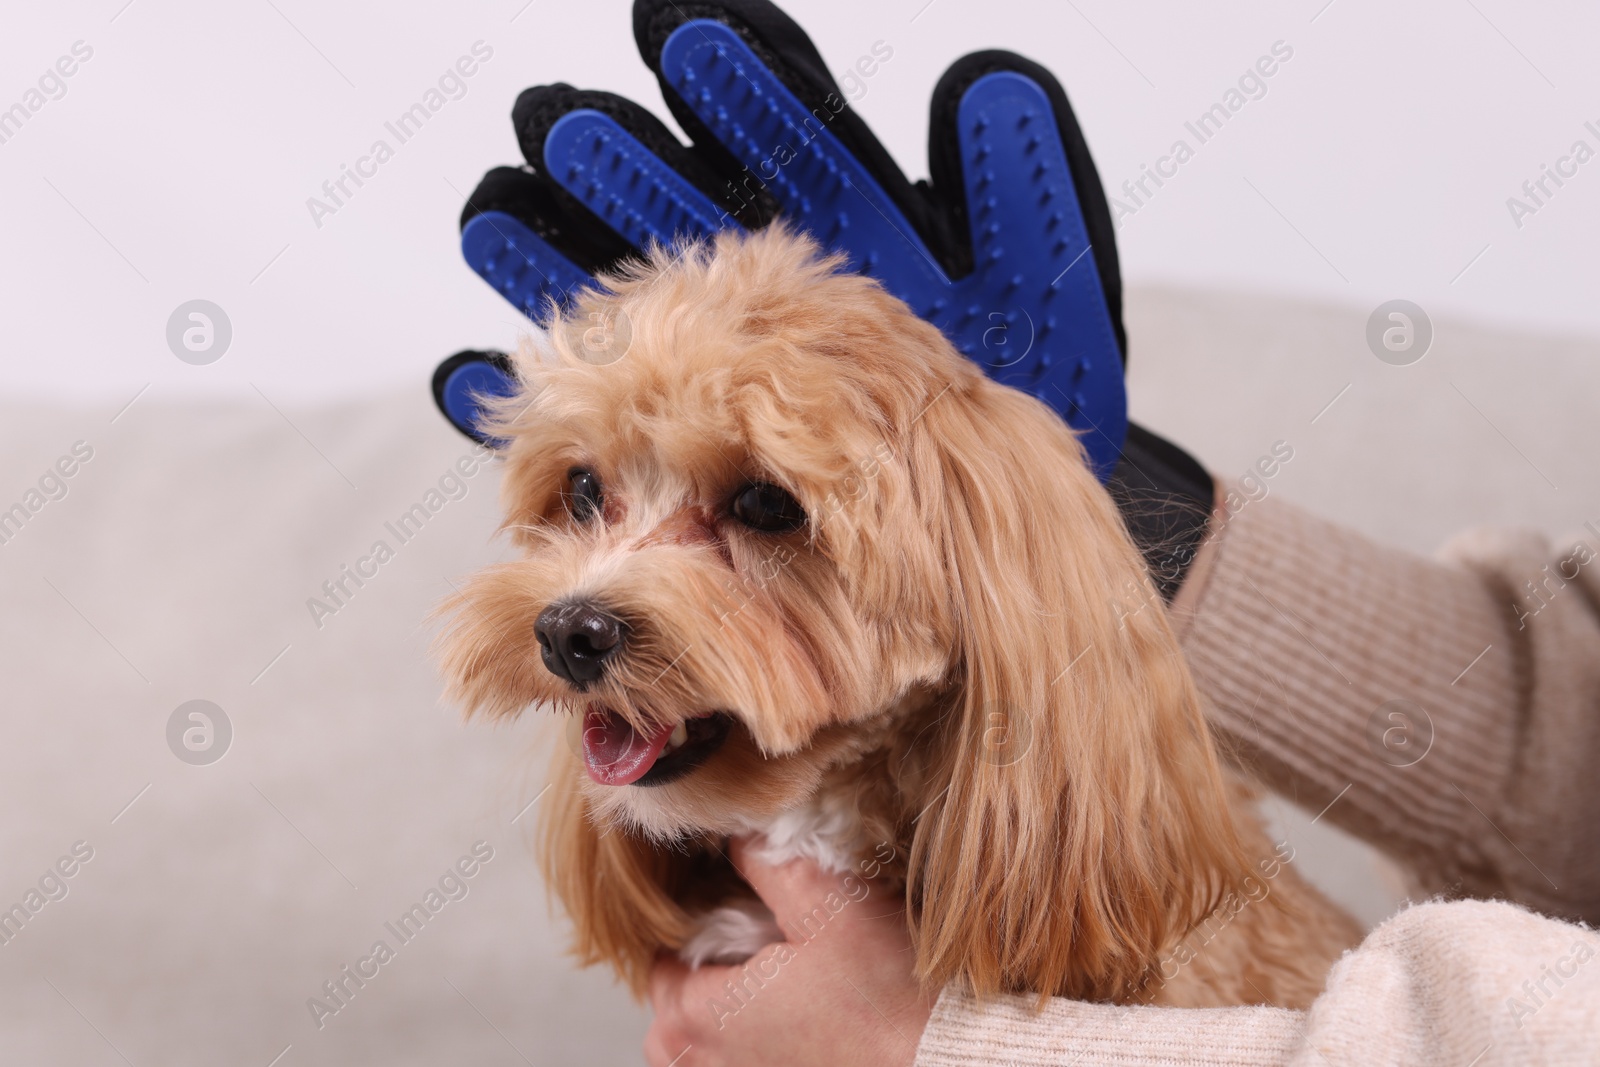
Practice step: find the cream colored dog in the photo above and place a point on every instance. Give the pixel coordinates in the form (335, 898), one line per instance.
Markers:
(800, 569)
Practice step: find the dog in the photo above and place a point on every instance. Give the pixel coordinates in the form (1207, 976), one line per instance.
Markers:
(795, 567)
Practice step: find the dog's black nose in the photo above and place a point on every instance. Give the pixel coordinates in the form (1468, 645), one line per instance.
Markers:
(576, 639)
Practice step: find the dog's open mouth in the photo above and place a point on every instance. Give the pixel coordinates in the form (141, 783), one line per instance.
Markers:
(614, 753)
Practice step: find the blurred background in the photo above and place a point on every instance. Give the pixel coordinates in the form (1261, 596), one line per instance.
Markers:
(207, 504)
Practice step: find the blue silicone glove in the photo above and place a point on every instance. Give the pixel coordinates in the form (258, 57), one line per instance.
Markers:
(1009, 249)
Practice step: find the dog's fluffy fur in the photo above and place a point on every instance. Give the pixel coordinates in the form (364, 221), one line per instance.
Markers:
(941, 666)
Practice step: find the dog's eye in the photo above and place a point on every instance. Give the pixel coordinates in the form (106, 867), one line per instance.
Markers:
(768, 508)
(583, 496)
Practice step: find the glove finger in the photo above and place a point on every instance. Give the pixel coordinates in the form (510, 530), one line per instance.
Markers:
(515, 237)
(1041, 140)
(528, 197)
(752, 92)
(613, 165)
(816, 180)
(464, 381)
(1002, 143)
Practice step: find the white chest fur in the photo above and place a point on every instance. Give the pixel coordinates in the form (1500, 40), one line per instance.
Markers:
(827, 830)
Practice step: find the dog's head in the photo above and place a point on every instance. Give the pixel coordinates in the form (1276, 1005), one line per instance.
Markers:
(771, 521)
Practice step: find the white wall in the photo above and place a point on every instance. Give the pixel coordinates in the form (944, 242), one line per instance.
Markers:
(179, 162)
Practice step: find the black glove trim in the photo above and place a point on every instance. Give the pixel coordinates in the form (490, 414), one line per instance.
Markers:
(1165, 498)
(591, 246)
(456, 410)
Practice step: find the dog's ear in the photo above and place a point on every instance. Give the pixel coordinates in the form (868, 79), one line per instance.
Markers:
(616, 887)
(1076, 823)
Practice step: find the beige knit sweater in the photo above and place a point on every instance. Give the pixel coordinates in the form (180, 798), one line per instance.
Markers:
(1487, 784)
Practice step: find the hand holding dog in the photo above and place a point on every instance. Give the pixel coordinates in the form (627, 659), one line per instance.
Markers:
(845, 997)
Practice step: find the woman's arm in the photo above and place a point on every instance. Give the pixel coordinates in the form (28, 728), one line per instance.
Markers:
(1470, 982)
(1303, 636)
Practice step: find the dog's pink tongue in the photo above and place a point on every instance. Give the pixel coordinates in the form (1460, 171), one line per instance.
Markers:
(614, 753)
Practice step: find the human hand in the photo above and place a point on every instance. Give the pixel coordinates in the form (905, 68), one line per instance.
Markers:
(1009, 249)
(839, 992)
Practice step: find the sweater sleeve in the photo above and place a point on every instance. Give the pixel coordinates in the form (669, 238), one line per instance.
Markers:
(1448, 710)
(1439, 984)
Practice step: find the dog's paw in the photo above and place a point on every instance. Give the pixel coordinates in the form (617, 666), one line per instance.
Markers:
(730, 934)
